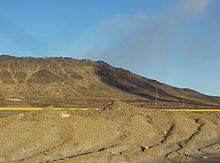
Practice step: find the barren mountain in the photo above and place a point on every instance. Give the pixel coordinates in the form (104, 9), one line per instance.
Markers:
(116, 132)
(67, 82)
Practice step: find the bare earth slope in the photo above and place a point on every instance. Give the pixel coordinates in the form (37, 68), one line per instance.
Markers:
(120, 134)
(66, 82)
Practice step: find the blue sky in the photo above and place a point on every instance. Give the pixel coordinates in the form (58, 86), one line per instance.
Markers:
(174, 41)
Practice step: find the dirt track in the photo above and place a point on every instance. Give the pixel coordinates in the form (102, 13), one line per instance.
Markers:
(118, 133)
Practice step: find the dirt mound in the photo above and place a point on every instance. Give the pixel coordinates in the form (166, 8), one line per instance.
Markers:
(122, 133)
(6, 77)
(44, 77)
(20, 77)
(116, 104)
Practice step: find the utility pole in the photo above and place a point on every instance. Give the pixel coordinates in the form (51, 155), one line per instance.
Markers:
(183, 98)
(156, 97)
(183, 102)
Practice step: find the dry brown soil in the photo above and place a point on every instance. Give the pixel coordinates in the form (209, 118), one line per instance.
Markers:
(119, 133)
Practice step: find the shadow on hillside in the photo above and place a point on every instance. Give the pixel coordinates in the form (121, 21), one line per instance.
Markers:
(129, 82)
(137, 85)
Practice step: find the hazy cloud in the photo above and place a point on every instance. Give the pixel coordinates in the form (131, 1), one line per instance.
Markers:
(139, 40)
(193, 6)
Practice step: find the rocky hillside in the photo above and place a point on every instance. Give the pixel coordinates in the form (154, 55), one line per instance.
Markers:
(66, 82)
